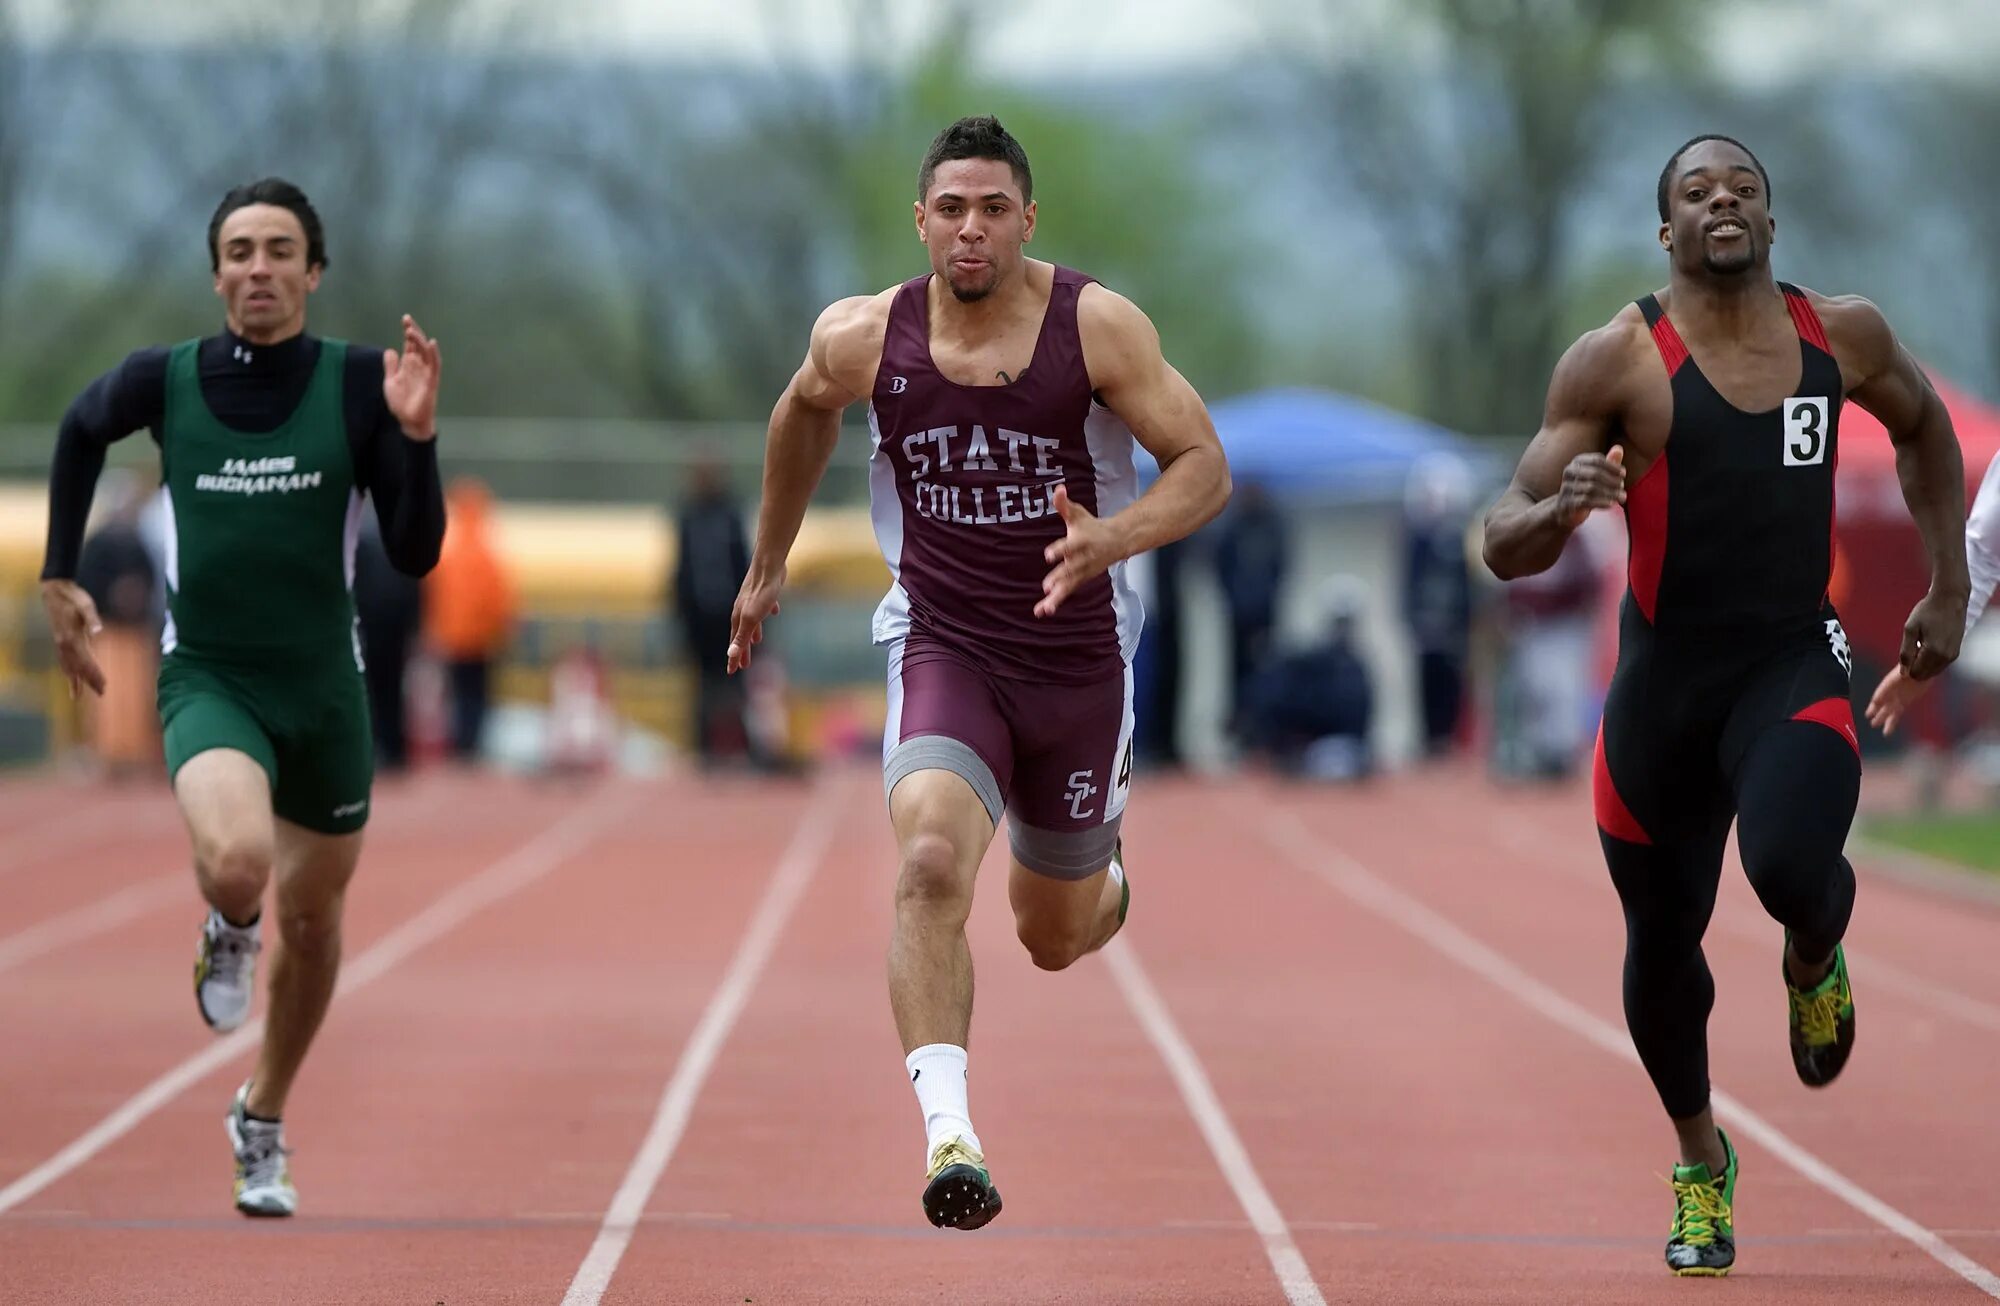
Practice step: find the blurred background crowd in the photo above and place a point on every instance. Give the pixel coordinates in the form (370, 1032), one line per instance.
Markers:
(1365, 229)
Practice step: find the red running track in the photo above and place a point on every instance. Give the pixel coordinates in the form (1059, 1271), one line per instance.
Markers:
(631, 1044)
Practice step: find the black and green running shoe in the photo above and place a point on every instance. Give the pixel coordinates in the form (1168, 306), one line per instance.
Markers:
(1822, 1023)
(958, 1191)
(1703, 1239)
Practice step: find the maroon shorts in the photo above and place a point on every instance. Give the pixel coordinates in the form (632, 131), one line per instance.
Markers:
(1056, 758)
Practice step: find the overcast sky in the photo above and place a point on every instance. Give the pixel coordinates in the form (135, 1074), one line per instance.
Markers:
(1779, 39)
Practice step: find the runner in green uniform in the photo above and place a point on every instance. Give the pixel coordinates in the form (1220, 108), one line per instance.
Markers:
(269, 441)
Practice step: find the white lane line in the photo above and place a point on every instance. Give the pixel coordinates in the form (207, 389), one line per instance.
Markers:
(787, 885)
(108, 913)
(1294, 1276)
(1289, 834)
(512, 873)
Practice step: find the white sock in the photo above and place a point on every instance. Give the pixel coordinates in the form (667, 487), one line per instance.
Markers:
(938, 1073)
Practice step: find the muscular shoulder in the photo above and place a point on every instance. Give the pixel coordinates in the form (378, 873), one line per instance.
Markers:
(140, 381)
(847, 339)
(1858, 332)
(1597, 373)
(1116, 334)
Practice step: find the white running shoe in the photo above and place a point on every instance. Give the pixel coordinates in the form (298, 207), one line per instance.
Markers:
(263, 1180)
(225, 972)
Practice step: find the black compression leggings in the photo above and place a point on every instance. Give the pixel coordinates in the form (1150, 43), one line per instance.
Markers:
(1795, 792)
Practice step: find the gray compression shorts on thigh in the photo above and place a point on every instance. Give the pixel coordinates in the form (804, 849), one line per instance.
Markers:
(1064, 854)
(943, 753)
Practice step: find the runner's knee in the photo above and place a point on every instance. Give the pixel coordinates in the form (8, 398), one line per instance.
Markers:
(309, 927)
(1054, 944)
(235, 866)
(933, 878)
(1797, 794)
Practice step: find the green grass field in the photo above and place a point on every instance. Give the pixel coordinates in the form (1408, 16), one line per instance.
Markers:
(1969, 838)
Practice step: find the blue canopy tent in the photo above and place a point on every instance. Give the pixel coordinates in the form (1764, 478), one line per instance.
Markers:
(1326, 447)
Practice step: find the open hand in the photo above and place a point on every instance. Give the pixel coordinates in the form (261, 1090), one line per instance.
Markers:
(1088, 547)
(410, 381)
(1892, 698)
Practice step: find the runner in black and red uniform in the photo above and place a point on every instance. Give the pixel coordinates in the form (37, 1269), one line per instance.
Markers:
(1711, 411)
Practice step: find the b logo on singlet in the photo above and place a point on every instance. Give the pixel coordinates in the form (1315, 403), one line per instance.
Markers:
(898, 384)
(1805, 431)
(1836, 639)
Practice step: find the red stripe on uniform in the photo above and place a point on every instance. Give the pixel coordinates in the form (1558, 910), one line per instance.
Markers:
(1673, 351)
(1807, 321)
(1646, 524)
(1837, 715)
(1613, 816)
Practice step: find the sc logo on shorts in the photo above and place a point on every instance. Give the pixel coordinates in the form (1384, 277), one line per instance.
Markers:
(1805, 431)
(1081, 791)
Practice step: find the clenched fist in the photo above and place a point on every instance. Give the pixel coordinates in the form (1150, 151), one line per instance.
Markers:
(1591, 481)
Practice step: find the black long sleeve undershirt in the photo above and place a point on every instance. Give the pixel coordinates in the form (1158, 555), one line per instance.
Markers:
(249, 388)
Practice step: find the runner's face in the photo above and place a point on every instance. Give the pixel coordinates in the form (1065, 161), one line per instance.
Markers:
(261, 272)
(1719, 218)
(974, 223)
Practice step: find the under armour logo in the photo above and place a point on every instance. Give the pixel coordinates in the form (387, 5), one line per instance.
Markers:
(898, 384)
(1837, 639)
(1081, 791)
(242, 353)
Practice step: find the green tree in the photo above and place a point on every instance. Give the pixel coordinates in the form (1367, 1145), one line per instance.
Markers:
(1472, 129)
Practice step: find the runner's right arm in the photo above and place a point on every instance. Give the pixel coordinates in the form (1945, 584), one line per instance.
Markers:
(1567, 472)
(805, 426)
(130, 396)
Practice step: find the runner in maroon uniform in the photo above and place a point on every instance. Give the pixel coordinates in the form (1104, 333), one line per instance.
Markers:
(1711, 411)
(1005, 396)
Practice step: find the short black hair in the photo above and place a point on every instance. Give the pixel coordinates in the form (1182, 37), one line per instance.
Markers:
(275, 191)
(1667, 173)
(976, 138)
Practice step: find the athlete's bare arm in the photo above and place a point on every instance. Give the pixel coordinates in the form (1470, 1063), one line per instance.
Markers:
(1571, 468)
(839, 368)
(1132, 378)
(1881, 376)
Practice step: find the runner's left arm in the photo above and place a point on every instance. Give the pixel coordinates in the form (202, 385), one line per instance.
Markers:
(1887, 382)
(398, 471)
(1134, 380)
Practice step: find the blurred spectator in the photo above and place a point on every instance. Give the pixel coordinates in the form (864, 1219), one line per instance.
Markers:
(1310, 712)
(1547, 666)
(468, 610)
(118, 570)
(712, 555)
(1437, 590)
(391, 608)
(1251, 551)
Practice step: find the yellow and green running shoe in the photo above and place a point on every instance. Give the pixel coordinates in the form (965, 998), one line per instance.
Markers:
(1822, 1023)
(1703, 1239)
(958, 1191)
